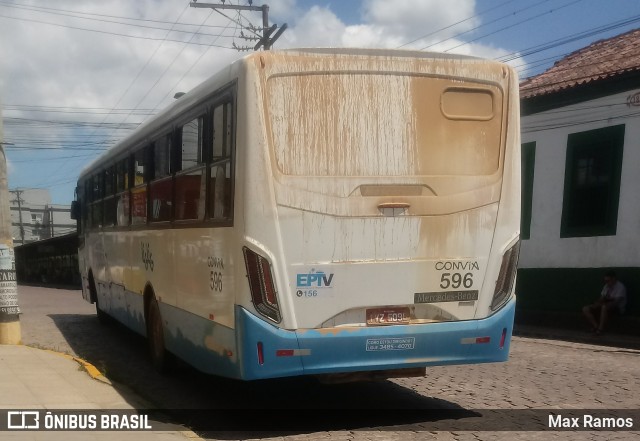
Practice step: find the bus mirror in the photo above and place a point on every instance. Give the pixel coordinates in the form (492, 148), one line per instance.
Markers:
(75, 210)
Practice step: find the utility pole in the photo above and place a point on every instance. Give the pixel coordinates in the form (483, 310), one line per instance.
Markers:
(266, 41)
(18, 200)
(9, 311)
(52, 233)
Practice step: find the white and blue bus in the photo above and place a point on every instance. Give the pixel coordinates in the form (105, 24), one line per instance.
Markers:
(333, 212)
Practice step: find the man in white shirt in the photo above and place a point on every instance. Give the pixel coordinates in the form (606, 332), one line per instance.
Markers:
(613, 300)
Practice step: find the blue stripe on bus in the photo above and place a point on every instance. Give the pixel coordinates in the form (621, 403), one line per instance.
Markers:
(355, 349)
(208, 346)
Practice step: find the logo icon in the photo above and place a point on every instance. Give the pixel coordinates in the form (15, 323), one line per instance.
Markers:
(23, 419)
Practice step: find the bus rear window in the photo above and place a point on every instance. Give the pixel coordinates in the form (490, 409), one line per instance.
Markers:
(383, 125)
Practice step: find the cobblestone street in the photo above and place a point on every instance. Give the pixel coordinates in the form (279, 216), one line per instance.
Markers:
(554, 376)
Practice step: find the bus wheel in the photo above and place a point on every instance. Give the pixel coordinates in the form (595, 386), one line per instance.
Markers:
(155, 338)
(103, 317)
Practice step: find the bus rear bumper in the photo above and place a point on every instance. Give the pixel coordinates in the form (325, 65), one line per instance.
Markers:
(270, 352)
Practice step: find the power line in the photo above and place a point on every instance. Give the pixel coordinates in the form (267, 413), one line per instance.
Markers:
(111, 33)
(266, 39)
(43, 8)
(532, 65)
(185, 74)
(559, 125)
(571, 68)
(568, 39)
(58, 148)
(485, 24)
(74, 15)
(454, 24)
(138, 76)
(72, 110)
(57, 158)
(166, 69)
(8, 121)
(551, 11)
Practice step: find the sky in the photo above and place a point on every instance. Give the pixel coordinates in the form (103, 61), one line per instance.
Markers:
(77, 76)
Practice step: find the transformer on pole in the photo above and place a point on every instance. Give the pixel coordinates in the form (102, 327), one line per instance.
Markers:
(267, 40)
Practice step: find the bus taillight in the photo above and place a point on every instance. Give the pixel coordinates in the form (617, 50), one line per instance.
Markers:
(263, 291)
(260, 353)
(269, 290)
(507, 275)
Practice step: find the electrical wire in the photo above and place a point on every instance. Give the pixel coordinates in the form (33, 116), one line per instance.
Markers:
(71, 110)
(26, 8)
(454, 24)
(559, 125)
(148, 61)
(568, 39)
(185, 74)
(110, 33)
(485, 24)
(175, 58)
(551, 11)
(43, 9)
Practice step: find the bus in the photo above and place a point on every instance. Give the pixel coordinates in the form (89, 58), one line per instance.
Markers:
(340, 213)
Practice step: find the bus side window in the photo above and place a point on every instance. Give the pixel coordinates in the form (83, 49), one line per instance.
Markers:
(122, 187)
(220, 188)
(162, 185)
(192, 143)
(139, 191)
(218, 133)
(220, 198)
(97, 182)
(110, 200)
(86, 205)
(190, 182)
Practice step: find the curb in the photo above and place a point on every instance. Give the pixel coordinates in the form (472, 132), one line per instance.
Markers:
(610, 340)
(88, 367)
(95, 374)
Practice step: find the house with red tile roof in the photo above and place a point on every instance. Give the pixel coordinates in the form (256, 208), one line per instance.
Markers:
(581, 176)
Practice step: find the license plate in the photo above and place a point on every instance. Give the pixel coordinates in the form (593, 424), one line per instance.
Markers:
(388, 316)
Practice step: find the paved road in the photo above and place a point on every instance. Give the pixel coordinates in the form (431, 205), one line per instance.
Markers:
(557, 377)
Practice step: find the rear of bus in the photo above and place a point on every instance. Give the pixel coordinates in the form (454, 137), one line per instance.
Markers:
(381, 213)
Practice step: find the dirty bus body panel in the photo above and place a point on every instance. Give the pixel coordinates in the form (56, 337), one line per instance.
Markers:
(394, 197)
(374, 226)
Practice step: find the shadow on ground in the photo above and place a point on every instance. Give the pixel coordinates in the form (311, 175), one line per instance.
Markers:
(229, 409)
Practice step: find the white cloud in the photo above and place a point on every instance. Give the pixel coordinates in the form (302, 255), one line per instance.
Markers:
(392, 24)
(282, 10)
(316, 25)
(412, 19)
(47, 65)
(62, 66)
(56, 65)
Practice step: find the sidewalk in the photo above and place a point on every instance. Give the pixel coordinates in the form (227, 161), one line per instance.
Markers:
(33, 378)
(623, 332)
(577, 336)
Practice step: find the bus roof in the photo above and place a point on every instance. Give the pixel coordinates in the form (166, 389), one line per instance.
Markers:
(230, 72)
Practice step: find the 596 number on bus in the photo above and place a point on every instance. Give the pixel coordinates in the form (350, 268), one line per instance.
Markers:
(456, 280)
(216, 281)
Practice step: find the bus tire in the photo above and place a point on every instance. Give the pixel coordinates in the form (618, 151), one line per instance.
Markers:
(160, 358)
(103, 317)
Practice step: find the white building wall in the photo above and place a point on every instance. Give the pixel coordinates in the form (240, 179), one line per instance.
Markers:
(61, 217)
(550, 131)
(35, 210)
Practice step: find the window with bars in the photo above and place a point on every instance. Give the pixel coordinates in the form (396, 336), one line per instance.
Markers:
(592, 182)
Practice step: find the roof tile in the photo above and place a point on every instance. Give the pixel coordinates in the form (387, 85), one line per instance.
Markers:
(600, 60)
